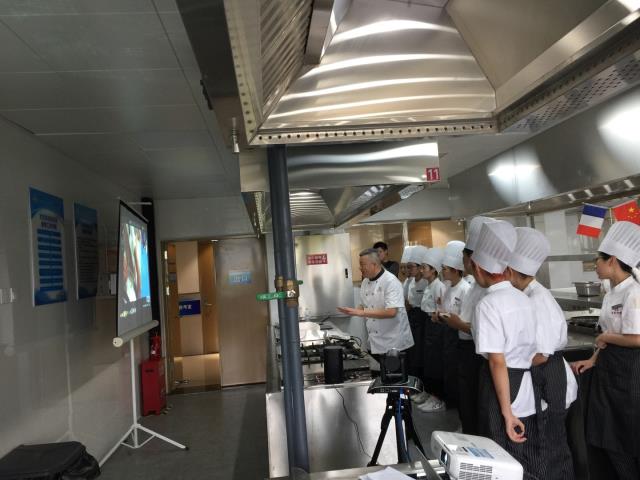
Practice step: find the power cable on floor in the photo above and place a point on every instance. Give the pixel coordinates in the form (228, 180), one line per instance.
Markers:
(344, 406)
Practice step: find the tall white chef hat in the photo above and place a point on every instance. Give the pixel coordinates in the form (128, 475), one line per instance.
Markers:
(418, 252)
(623, 242)
(406, 254)
(453, 255)
(474, 231)
(532, 248)
(495, 244)
(433, 257)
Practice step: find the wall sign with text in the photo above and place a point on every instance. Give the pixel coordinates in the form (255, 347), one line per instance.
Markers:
(317, 259)
(48, 248)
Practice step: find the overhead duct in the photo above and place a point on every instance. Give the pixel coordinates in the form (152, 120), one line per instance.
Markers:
(549, 172)
(396, 69)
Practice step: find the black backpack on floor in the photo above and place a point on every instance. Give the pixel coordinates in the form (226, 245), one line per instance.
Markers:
(50, 461)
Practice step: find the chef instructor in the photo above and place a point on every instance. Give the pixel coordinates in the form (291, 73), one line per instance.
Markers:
(382, 304)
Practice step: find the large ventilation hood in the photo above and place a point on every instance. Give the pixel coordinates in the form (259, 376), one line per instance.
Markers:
(400, 69)
(547, 172)
(335, 184)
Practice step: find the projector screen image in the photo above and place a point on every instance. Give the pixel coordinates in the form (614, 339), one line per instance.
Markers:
(134, 287)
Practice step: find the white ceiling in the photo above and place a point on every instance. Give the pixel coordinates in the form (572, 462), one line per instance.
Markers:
(114, 84)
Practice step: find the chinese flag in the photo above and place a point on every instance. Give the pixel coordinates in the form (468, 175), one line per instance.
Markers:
(628, 212)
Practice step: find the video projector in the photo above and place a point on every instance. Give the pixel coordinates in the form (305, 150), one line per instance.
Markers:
(469, 456)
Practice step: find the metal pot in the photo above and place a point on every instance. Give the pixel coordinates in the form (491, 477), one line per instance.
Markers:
(587, 289)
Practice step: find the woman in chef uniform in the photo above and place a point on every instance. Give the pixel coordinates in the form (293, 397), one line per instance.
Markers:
(613, 423)
(417, 317)
(505, 334)
(457, 289)
(431, 265)
(405, 271)
(468, 360)
(559, 386)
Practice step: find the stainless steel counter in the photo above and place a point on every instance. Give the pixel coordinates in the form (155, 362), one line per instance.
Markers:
(332, 437)
(572, 301)
(428, 470)
(579, 341)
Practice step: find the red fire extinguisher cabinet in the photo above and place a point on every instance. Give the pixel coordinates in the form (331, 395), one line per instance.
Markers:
(154, 395)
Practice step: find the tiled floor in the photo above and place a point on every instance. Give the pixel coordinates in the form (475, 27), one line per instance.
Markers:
(226, 434)
(225, 431)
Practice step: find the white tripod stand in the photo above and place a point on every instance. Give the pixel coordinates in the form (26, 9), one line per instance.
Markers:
(133, 431)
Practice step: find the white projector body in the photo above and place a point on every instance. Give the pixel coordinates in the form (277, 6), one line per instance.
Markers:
(466, 457)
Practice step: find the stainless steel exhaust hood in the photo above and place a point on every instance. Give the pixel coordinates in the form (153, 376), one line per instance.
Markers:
(404, 69)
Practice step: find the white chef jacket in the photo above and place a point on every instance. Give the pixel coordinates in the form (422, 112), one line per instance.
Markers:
(405, 286)
(621, 308)
(505, 323)
(454, 297)
(432, 293)
(470, 279)
(386, 333)
(468, 308)
(416, 291)
(551, 330)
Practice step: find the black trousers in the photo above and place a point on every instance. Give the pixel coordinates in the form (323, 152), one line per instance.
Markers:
(415, 354)
(468, 370)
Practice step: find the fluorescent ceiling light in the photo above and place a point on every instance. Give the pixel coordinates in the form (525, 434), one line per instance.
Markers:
(378, 83)
(388, 26)
(376, 59)
(429, 149)
(380, 101)
(404, 112)
(631, 5)
(510, 172)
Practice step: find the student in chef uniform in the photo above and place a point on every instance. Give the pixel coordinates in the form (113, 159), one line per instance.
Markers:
(457, 289)
(468, 360)
(559, 386)
(431, 265)
(383, 307)
(504, 330)
(404, 270)
(417, 317)
(613, 423)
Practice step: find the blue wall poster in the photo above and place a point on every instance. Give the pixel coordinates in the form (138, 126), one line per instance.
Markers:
(86, 243)
(47, 243)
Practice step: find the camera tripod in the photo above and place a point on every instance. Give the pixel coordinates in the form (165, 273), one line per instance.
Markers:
(399, 408)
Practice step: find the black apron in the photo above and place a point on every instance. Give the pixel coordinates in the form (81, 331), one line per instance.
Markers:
(434, 348)
(469, 363)
(613, 422)
(450, 367)
(551, 379)
(415, 354)
(530, 454)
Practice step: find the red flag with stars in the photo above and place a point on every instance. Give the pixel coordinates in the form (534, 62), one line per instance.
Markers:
(629, 212)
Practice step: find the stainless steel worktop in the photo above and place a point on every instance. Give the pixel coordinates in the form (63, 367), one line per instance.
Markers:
(570, 300)
(424, 470)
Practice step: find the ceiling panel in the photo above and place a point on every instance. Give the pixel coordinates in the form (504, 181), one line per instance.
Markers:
(94, 89)
(80, 42)
(81, 146)
(112, 120)
(181, 162)
(172, 22)
(16, 56)
(57, 7)
(166, 140)
(192, 189)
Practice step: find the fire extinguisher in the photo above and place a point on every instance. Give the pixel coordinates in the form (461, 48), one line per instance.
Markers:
(155, 352)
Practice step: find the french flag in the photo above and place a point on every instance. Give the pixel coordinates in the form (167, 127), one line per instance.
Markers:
(591, 220)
